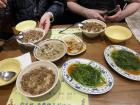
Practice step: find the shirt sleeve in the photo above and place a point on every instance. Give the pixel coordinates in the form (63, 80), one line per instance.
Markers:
(57, 8)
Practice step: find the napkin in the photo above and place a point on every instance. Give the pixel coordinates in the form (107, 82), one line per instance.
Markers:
(24, 60)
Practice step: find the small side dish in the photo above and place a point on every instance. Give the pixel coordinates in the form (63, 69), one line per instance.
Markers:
(124, 61)
(87, 76)
(51, 50)
(74, 44)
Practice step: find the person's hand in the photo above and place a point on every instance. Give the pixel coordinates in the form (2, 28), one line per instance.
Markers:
(45, 21)
(116, 17)
(135, 1)
(93, 14)
(3, 3)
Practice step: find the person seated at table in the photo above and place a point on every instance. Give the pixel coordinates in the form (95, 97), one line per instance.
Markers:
(43, 10)
(95, 9)
(136, 1)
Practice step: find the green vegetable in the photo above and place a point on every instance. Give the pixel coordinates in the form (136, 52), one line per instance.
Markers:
(87, 75)
(126, 60)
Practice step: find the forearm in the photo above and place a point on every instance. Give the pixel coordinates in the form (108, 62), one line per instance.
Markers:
(130, 9)
(76, 8)
(56, 9)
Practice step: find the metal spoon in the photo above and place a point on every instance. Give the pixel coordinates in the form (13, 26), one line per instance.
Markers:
(34, 45)
(7, 75)
(18, 36)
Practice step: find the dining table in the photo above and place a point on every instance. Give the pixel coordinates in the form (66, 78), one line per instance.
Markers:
(124, 91)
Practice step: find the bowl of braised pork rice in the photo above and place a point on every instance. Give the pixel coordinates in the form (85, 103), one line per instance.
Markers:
(37, 79)
(31, 36)
(92, 27)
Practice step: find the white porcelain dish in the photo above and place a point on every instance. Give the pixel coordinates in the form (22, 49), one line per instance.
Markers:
(89, 90)
(107, 55)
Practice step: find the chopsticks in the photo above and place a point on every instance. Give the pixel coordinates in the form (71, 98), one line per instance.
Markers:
(66, 28)
(79, 25)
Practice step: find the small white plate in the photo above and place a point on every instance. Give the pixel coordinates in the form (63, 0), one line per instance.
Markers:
(74, 40)
(89, 90)
(107, 54)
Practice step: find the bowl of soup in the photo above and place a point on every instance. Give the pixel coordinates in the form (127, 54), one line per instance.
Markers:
(50, 50)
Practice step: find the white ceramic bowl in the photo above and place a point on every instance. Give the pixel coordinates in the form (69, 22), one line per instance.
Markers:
(34, 65)
(35, 41)
(92, 34)
(44, 58)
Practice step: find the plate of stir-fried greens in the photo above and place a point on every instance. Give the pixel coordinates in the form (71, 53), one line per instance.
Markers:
(124, 61)
(87, 76)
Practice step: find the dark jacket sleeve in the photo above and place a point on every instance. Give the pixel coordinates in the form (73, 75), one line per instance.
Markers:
(5, 12)
(57, 8)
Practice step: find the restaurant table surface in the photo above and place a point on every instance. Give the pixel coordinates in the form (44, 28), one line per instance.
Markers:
(124, 91)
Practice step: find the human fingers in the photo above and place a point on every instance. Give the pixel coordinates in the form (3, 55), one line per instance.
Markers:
(2, 4)
(115, 15)
(47, 26)
(100, 17)
(41, 23)
(5, 1)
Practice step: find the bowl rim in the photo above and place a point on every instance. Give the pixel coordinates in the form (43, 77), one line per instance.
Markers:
(23, 22)
(36, 41)
(94, 20)
(26, 69)
(123, 39)
(45, 41)
(11, 60)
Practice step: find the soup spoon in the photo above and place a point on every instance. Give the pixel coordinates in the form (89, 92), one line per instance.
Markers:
(18, 36)
(34, 45)
(7, 75)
